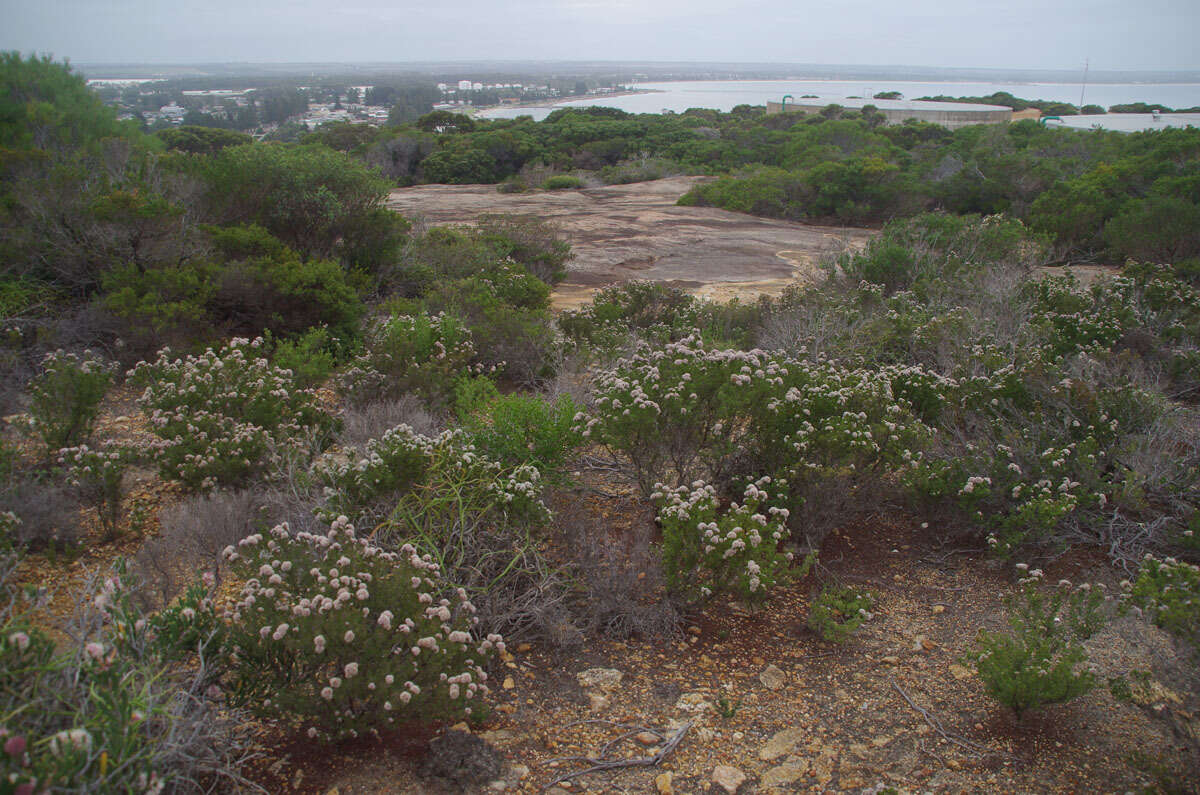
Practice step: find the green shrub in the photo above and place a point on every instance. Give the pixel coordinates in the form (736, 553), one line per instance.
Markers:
(309, 358)
(529, 430)
(709, 552)
(1039, 661)
(839, 611)
(339, 637)
(97, 473)
(65, 397)
(225, 417)
(423, 354)
(1168, 591)
(562, 182)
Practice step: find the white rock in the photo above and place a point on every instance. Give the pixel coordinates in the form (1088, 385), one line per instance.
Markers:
(728, 778)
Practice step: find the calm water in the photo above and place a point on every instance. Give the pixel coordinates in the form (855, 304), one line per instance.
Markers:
(725, 95)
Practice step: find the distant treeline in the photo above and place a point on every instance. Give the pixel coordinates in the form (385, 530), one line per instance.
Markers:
(1049, 108)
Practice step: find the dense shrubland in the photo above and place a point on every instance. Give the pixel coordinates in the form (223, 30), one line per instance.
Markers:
(374, 429)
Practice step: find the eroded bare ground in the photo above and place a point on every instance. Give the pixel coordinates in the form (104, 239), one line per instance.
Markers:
(624, 232)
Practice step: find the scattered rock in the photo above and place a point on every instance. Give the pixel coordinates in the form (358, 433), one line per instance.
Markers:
(597, 702)
(781, 744)
(695, 703)
(508, 684)
(662, 782)
(728, 778)
(522, 648)
(498, 736)
(880, 741)
(922, 643)
(518, 773)
(939, 608)
(461, 759)
(822, 766)
(601, 678)
(959, 671)
(647, 738)
(772, 678)
(891, 659)
(782, 775)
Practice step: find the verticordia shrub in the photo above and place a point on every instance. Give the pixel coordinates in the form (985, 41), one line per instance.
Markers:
(65, 397)
(339, 637)
(707, 551)
(225, 417)
(421, 353)
(97, 474)
(1041, 661)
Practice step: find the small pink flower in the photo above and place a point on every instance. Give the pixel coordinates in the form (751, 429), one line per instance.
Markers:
(327, 693)
(94, 650)
(349, 636)
(351, 669)
(15, 746)
(20, 640)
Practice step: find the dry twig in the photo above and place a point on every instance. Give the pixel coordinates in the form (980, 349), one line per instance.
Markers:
(600, 762)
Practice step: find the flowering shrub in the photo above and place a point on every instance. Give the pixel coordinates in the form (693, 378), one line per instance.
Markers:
(707, 551)
(517, 430)
(1038, 662)
(65, 397)
(420, 353)
(683, 411)
(1168, 590)
(224, 417)
(652, 310)
(341, 637)
(97, 474)
(839, 611)
(109, 710)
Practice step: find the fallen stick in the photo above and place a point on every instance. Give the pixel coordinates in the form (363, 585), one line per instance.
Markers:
(936, 725)
(600, 764)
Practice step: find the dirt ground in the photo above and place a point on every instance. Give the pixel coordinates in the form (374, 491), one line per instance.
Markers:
(623, 232)
(893, 707)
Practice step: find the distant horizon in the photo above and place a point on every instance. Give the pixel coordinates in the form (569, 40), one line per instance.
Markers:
(1150, 36)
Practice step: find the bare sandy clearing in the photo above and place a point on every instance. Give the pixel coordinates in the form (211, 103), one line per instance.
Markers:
(624, 232)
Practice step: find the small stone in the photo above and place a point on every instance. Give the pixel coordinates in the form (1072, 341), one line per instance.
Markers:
(509, 683)
(772, 678)
(499, 785)
(693, 630)
(959, 671)
(498, 736)
(939, 608)
(602, 678)
(518, 772)
(782, 775)
(891, 659)
(953, 764)
(523, 648)
(781, 744)
(461, 727)
(728, 778)
(597, 702)
(758, 661)
(694, 702)
(880, 741)
(822, 766)
(647, 738)
(662, 782)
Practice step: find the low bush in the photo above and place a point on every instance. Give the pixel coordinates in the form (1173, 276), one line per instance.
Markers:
(97, 474)
(518, 430)
(225, 417)
(46, 514)
(709, 552)
(839, 611)
(1041, 660)
(422, 354)
(110, 708)
(362, 423)
(562, 182)
(341, 638)
(65, 397)
(310, 357)
(1168, 592)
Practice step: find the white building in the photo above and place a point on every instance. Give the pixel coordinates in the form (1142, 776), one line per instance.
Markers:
(464, 85)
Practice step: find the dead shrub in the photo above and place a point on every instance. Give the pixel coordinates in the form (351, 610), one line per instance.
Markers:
(362, 423)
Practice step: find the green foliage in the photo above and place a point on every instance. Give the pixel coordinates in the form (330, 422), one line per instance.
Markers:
(339, 637)
(310, 358)
(521, 430)
(562, 182)
(708, 551)
(227, 416)
(97, 473)
(1038, 662)
(1168, 591)
(201, 140)
(839, 611)
(65, 397)
(310, 197)
(423, 354)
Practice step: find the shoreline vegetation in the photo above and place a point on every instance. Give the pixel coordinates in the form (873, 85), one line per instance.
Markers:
(562, 102)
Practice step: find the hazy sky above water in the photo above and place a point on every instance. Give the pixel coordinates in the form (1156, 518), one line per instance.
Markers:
(1030, 34)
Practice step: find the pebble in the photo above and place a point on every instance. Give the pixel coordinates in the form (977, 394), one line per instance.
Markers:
(781, 744)
(647, 738)
(728, 778)
(662, 782)
(891, 659)
(509, 683)
(602, 678)
(959, 671)
(782, 775)
(772, 678)
(939, 608)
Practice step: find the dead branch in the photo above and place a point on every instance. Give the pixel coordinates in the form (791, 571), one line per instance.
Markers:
(600, 762)
(937, 726)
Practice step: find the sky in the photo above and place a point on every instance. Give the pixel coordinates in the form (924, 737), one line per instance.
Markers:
(1026, 34)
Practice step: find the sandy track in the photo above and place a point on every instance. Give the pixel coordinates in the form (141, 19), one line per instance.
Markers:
(624, 232)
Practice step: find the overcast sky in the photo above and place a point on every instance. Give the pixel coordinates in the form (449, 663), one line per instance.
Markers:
(1035, 34)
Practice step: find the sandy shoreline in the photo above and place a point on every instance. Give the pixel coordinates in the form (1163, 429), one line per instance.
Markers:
(564, 102)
